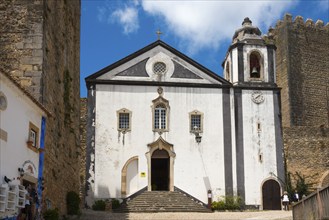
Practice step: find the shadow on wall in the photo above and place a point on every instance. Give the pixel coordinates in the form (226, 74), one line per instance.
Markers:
(103, 192)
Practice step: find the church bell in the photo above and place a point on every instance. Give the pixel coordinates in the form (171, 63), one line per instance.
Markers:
(254, 71)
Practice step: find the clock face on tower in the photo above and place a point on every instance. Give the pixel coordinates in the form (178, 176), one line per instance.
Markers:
(257, 97)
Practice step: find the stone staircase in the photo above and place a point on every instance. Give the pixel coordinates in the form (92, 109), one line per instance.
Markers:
(162, 201)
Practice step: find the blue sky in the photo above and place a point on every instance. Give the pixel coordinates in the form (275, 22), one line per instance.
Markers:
(201, 29)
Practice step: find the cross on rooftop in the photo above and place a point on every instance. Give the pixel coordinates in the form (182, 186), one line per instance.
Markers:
(158, 33)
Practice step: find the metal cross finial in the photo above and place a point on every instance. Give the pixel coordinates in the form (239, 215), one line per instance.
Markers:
(158, 33)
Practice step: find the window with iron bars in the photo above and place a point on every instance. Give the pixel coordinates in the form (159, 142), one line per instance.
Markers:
(196, 121)
(124, 120)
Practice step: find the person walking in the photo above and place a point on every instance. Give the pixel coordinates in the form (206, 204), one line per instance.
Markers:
(296, 196)
(285, 201)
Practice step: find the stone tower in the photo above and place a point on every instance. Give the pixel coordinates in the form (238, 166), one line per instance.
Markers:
(40, 44)
(303, 73)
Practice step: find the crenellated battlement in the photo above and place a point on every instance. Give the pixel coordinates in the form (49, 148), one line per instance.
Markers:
(299, 22)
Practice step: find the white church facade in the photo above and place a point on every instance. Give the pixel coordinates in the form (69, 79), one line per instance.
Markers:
(157, 120)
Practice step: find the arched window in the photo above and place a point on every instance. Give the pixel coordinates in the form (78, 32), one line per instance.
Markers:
(255, 65)
(160, 114)
(160, 117)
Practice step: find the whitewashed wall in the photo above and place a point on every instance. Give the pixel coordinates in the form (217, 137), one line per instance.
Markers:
(195, 164)
(132, 177)
(235, 66)
(258, 142)
(15, 121)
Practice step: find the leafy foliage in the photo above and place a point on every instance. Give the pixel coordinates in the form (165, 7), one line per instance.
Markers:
(115, 204)
(99, 205)
(302, 187)
(51, 214)
(73, 203)
(227, 203)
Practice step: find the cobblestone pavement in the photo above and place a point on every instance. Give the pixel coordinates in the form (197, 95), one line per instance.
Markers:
(252, 215)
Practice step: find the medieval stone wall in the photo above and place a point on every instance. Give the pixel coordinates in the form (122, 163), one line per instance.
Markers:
(21, 42)
(40, 44)
(83, 146)
(303, 71)
(62, 97)
(302, 68)
(307, 152)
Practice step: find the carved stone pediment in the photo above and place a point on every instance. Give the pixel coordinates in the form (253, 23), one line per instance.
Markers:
(161, 144)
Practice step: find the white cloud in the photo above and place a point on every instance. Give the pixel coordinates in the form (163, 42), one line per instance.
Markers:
(123, 13)
(202, 24)
(198, 24)
(128, 18)
(323, 5)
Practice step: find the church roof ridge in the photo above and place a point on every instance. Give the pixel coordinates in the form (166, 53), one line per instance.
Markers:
(158, 42)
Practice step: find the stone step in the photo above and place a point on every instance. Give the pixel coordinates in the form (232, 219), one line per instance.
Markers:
(162, 201)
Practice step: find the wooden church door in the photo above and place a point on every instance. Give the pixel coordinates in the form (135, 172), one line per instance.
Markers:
(271, 195)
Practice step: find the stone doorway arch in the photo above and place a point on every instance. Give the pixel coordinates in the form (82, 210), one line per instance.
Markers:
(124, 175)
(158, 146)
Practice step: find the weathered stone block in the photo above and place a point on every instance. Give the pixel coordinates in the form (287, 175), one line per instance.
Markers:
(25, 82)
(17, 73)
(20, 45)
(37, 53)
(26, 67)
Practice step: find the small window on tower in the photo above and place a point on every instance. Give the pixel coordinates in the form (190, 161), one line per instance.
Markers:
(258, 127)
(260, 157)
(255, 65)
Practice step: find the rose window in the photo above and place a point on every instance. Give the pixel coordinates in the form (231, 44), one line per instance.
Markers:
(159, 68)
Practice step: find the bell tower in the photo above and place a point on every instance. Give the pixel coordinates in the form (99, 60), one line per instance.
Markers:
(250, 59)
(250, 66)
